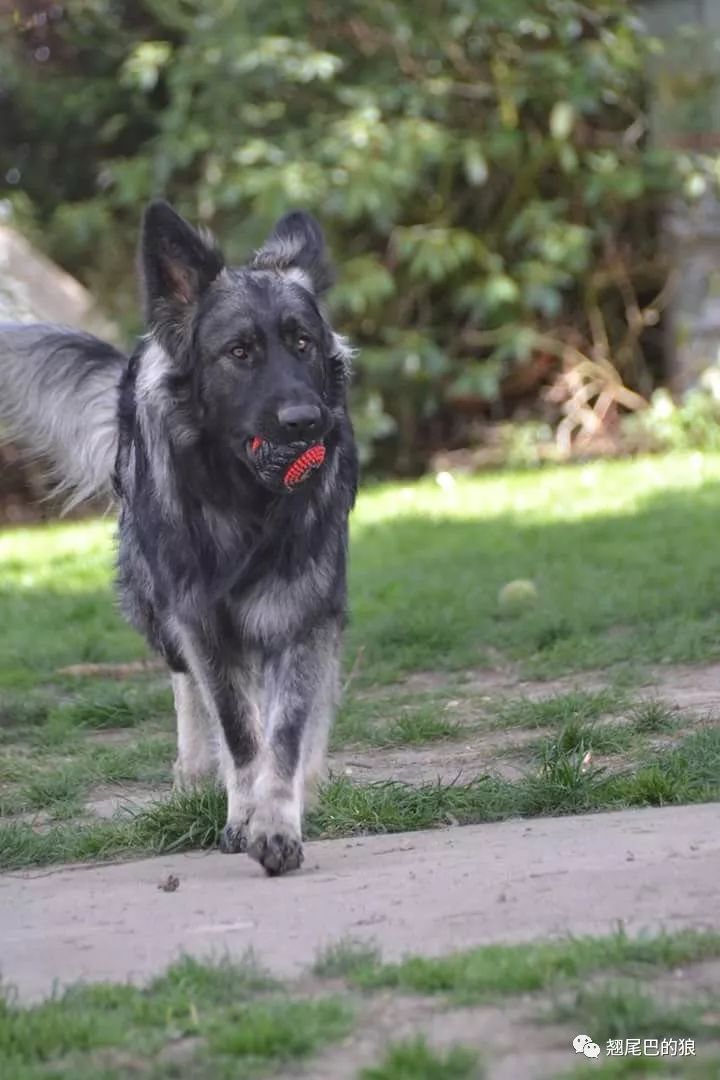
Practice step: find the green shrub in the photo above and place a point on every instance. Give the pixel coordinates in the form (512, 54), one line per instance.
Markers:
(691, 423)
(483, 171)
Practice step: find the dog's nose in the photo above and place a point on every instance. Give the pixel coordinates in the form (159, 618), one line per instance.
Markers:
(300, 421)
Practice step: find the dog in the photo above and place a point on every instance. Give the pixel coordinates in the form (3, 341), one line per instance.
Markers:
(226, 442)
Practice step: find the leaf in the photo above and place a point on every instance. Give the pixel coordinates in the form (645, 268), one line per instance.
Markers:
(562, 120)
(142, 68)
(500, 289)
(433, 254)
(481, 379)
(476, 166)
(364, 286)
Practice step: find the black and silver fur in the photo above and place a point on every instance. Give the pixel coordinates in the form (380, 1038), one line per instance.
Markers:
(236, 580)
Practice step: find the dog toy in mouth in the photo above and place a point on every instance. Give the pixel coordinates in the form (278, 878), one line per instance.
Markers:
(311, 459)
(301, 467)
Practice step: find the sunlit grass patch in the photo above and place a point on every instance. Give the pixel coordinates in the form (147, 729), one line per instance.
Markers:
(628, 545)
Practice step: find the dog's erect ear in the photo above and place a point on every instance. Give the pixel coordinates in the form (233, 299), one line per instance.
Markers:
(178, 263)
(296, 247)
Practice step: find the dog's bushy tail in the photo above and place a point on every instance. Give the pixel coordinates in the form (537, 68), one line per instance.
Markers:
(59, 398)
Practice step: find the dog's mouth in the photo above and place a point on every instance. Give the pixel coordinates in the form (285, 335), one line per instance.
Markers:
(285, 465)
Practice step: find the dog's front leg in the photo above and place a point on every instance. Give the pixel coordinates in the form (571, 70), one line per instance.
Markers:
(231, 697)
(197, 742)
(239, 715)
(295, 694)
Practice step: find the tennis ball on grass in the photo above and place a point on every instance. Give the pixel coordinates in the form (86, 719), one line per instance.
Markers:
(517, 596)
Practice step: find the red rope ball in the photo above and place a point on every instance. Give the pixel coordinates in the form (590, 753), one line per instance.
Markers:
(312, 458)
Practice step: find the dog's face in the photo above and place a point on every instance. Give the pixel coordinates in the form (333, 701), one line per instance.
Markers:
(248, 348)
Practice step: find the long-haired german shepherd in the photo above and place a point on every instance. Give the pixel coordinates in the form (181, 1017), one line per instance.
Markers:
(226, 440)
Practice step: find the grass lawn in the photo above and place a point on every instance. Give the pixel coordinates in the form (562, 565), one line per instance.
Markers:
(203, 1020)
(625, 560)
(197, 1020)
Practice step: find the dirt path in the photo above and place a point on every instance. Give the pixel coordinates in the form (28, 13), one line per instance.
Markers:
(422, 892)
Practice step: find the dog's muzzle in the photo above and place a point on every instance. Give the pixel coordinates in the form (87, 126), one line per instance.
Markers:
(285, 465)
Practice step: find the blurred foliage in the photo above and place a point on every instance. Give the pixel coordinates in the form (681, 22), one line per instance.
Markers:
(692, 423)
(483, 172)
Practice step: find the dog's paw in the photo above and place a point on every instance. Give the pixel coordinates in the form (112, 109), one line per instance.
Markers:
(276, 852)
(234, 839)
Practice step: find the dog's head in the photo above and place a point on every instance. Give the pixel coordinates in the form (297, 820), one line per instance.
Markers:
(247, 351)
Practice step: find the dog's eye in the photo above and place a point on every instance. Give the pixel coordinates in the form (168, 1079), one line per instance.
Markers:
(302, 343)
(239, 353)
